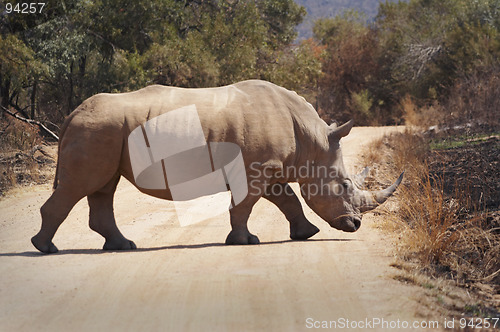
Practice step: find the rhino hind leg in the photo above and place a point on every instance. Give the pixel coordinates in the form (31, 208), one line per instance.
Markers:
(283, 196)
(102, 218)
(53, 212)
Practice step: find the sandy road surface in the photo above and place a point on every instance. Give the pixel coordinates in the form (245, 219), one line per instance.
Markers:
(183, 278)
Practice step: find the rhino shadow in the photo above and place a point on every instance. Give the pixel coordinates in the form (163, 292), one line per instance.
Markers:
(171, 247)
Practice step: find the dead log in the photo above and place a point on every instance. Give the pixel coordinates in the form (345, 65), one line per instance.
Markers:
(31, 122)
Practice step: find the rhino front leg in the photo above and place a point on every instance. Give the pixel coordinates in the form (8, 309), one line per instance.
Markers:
(102, 218)
(283, 196)
(239, 217)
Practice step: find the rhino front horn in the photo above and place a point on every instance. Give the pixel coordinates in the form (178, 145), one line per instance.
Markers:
(370, 200)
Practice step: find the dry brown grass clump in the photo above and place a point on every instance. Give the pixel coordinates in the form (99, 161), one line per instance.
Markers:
(422, 117)
(21, 155)
(445, 233)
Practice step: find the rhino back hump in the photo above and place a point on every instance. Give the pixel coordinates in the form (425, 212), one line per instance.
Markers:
(253, 114)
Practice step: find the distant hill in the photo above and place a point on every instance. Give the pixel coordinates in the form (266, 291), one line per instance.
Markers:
(331, 8)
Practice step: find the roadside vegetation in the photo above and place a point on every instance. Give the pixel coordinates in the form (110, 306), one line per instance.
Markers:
(24, 158)
(445, 219)
(446, 216)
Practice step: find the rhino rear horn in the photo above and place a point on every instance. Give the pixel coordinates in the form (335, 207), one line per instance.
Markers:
(359, 179)
(370, 200)
(341, 131)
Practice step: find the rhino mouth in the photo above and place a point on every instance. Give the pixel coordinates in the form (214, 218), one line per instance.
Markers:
(348, 223)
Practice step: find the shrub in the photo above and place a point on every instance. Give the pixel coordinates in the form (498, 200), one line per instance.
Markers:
(437, 222)
(18, 144)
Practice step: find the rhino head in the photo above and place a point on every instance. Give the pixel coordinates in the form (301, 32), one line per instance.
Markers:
(335, 195)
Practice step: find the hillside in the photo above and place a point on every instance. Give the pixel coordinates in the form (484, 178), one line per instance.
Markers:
(330, 8)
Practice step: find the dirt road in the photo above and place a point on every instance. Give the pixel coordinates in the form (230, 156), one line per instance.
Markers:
(184, 278)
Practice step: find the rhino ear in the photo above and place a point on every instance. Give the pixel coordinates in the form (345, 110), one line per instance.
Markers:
(339, 132)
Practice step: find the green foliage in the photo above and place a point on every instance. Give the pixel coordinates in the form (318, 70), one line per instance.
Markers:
(18, 65)
(433, 42)
(77, 48)
(281, 17)
(428, 50)
(297, 68)
(335, 30)
(460, 141)
(362, 102)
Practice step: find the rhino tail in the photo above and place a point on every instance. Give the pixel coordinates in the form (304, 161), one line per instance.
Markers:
(61, 135)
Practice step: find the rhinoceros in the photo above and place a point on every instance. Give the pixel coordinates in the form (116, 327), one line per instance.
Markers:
(276, 131)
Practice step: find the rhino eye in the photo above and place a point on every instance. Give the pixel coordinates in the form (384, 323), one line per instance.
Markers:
(345, 184)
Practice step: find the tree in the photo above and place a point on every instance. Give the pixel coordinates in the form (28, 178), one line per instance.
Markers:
(349, 87)
(430, 43)
(76, 48)
(419, 48)
(18, 69)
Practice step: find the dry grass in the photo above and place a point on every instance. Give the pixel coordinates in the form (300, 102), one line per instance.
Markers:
(421, 117)
(21, 155)
(446, 235)
(17, 135)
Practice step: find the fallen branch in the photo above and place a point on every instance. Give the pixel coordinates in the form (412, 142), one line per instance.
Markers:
(491, 276)
(38, 123)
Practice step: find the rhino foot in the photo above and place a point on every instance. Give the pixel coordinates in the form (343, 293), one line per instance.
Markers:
(46, 248)
(119, 245)
(239, 238)
(303, 231)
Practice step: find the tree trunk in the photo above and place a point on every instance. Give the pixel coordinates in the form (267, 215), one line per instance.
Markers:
(33, 100)
(70, 94)
(4, 93)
